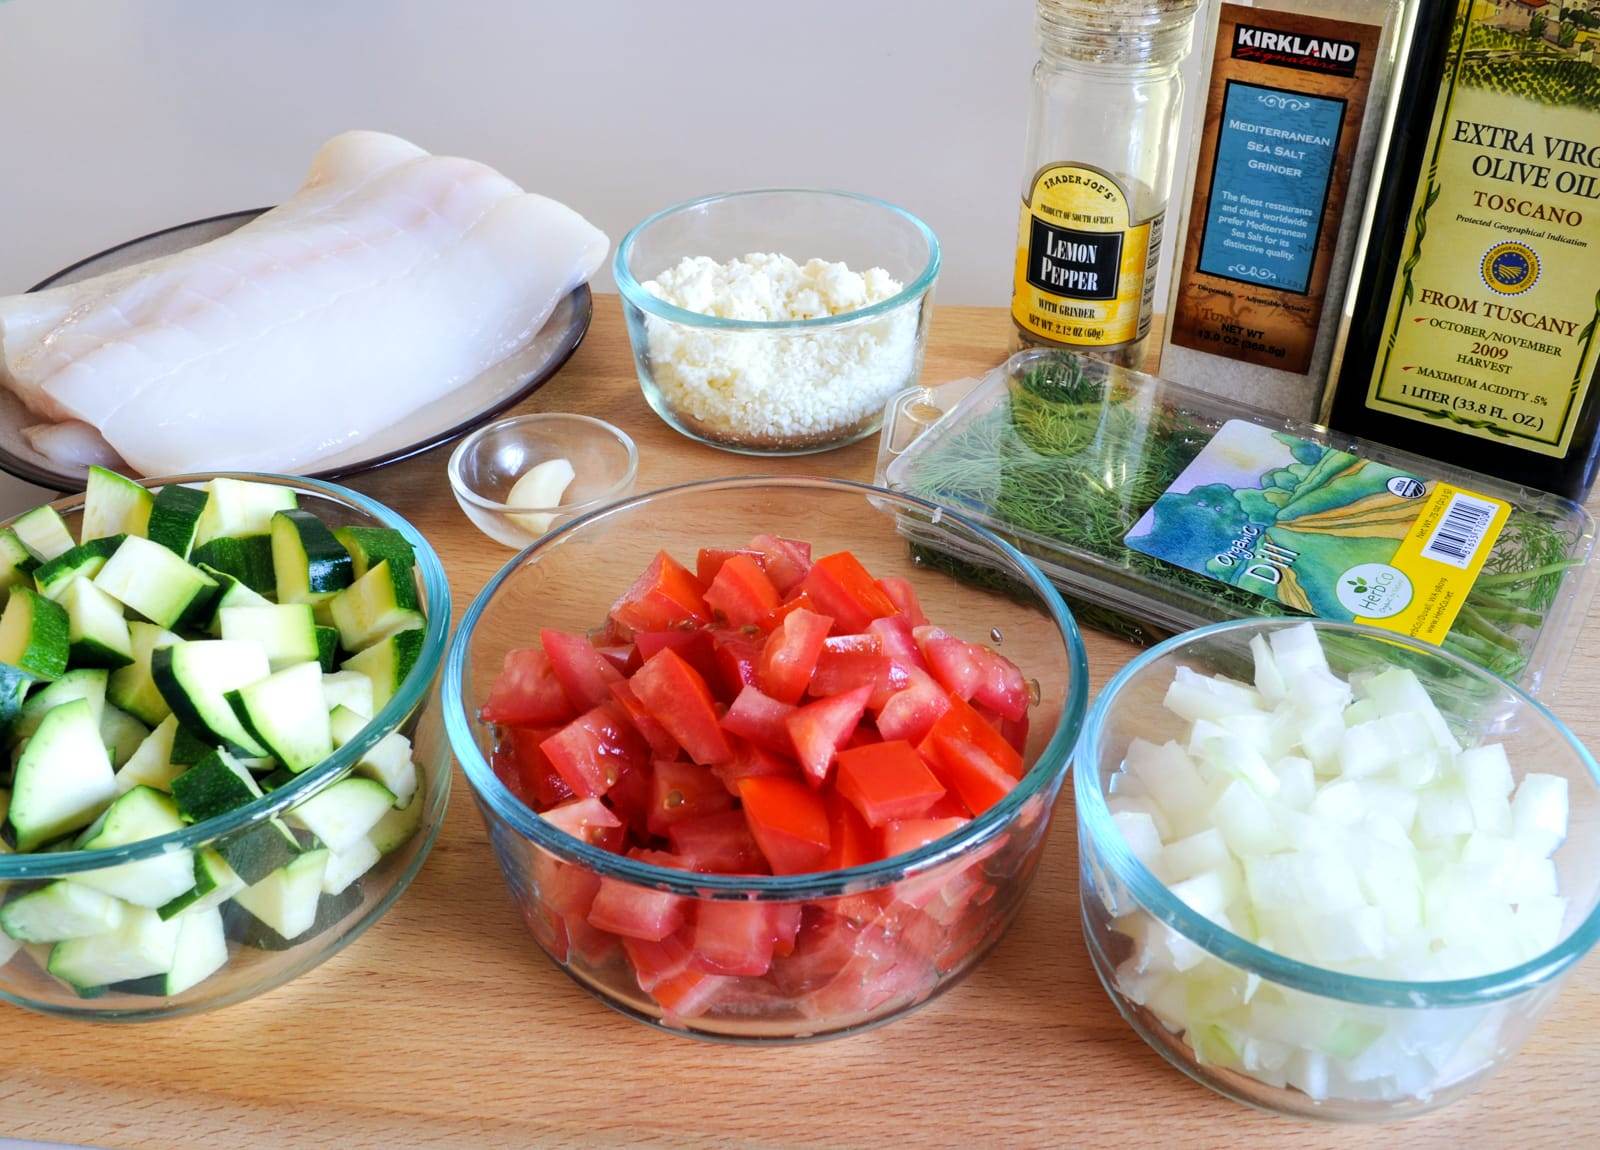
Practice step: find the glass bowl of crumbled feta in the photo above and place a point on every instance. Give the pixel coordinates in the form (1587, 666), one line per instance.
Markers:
(777, 322)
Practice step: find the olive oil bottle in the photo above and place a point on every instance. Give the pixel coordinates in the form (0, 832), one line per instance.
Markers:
(1473, 335)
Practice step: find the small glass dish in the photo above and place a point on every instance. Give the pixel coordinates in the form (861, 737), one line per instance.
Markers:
(486, 464)
(1287, 1036)
(873, 942)
(258, 958)
(783, 387)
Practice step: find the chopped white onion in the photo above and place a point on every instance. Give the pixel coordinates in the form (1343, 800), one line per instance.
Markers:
(1343, 825)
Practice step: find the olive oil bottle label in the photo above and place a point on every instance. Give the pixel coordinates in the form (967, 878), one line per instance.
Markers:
(1086, 270)
(1491, 328)
(1323, 532)
(1282, 116)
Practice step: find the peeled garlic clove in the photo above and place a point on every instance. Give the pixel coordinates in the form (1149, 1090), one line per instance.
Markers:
(542, 485)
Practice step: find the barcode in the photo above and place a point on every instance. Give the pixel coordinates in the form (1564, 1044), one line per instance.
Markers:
(1461, 529)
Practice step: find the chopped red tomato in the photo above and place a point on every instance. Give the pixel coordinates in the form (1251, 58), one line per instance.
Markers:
(697, 648)
(719, 844)
(791, 654)
(635, 911)
(851, 842)
(789, 822)
(526, 692)
(911, 714)
(948, 807)
(662, 744)
(896, 640)
(825, 944)
(898, 838)
(623, 656)
(962, 721)
(819, 729)
(750, 761)
(841, 587)
(629, 796)
(967, 770)
(590, 752)
(1001, 687)
(737, 655)
(970, 671)
(786, 921)
(682, 791)
(710, 560)
(677, 697)
(536, 782)
(583, 672)
(798, 601)
(587, 820)
(733, 938)
(904, 597)
(887, 781)
(760, 720)
(786, 560)
(841, 671)
(742, 594)
(666, 595)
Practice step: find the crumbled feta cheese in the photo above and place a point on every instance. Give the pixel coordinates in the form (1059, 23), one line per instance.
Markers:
(778, 388)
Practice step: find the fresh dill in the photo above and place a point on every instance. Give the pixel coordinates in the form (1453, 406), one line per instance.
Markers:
(1074, 458)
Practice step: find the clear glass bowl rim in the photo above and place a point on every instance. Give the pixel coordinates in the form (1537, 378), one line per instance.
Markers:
(436, 590)
(459, 484)
(633, 291)
(1053, 760)
(1154, 896)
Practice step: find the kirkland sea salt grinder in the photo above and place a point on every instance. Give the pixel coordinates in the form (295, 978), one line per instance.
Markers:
(1103, 131)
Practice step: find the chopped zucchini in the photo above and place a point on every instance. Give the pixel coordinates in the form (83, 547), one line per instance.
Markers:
(63, 778)
(43, 532)
(132, 688)
(344, 812)
(85, 560)
(286, 714)
(113, 505)
(195, 677)
(88, 683)
(122, 734)
(214, 786)
(240, 507)
(151, 580)
(286, 900)
(60, 910)
(189, 748)
(97, 634)
(16, 564)
(175, 518)
(344, 867)
(235, 593)
(310, 565)
(258, 850)
(327, 646)
(34, 634)
(387, 663)
(247, 558)
(214, 883)
(143, 945)
(251, 931)
(389, 761)
(349, 689)
(14, 685)
(378, 604)
(200, 951)
(369, 546)
(286, 632)
(139, 814)
(151, 764)
(396, 827)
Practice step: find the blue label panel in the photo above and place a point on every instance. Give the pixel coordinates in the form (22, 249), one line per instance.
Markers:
(1269, 185)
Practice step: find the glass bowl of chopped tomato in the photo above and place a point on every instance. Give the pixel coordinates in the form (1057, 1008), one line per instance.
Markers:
(753, 767)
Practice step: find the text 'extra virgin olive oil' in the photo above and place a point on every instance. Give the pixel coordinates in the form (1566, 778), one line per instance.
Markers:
(1474, 332)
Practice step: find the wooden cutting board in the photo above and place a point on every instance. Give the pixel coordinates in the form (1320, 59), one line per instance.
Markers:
(445, 1026)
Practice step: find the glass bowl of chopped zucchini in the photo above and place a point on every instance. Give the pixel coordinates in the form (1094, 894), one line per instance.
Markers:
(1328, 870)
(222, 756)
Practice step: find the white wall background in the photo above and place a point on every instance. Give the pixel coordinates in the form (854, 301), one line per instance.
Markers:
(124, 116)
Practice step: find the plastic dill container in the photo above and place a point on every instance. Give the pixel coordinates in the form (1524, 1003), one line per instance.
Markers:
(1156, 509)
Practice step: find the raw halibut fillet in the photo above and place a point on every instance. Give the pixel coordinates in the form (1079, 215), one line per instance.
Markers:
(391, 278)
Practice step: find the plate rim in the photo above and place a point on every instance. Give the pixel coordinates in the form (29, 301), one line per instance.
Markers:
(583, 297)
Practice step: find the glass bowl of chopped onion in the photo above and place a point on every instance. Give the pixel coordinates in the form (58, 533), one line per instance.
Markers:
(777, 322)
(1330, 871)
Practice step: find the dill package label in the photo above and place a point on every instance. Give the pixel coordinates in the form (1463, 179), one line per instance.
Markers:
(1086, 270)
(1324, 532)
(1491, 326)
(1278, 139)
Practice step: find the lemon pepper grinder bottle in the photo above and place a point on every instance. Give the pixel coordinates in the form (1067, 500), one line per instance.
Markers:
(1103, 130)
